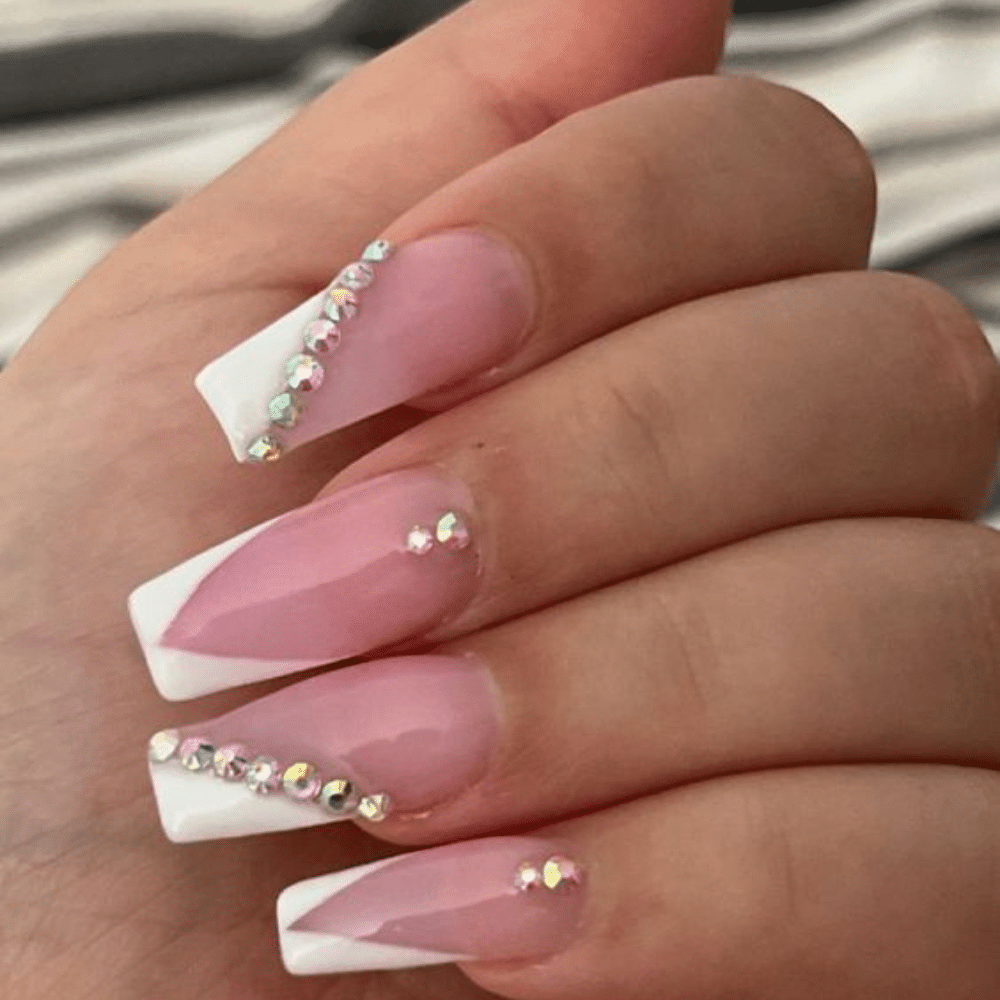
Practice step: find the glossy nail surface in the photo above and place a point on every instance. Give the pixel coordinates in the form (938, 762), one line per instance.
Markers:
(431, 313)
(378, 563)
(496, 899)
(417, 729)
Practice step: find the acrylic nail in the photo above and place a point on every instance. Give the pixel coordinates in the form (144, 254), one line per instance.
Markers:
(499, 899)
(373, 565)
(394, 326)
(401, 735)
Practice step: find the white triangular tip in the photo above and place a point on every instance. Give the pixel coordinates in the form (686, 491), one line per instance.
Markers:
(239, 385)
(310, 953)
(199, 806)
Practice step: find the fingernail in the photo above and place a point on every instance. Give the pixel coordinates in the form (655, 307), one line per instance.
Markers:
(384, 561)
(393, 326)
(393, 736)
(494, 900)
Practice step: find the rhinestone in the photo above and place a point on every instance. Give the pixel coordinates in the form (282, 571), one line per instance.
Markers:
(263, 775)
(340, 303)
(452, 532)
(378, 251)
(302, 781)
(560, 873)
(420, 540)
(339, 796)
(231, 762)
(163, 745)
(196, 753)
(528, 877)
(285, 410)
(374, 808)
(355, 277)
(266, 449)
(322, 337)
(304, 372)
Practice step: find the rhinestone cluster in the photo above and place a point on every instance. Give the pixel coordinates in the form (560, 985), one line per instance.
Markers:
(450, 532)
(557, 874)
(301, 780)
(305, 371)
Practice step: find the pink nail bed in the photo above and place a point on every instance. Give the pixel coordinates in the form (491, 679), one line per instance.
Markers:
(499, 899)
(375, 564)
(394, 326)
(409, 731)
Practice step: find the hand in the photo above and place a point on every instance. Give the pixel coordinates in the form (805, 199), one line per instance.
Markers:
(810, 840)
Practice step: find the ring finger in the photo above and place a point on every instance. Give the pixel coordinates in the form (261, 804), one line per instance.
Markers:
(768, 653)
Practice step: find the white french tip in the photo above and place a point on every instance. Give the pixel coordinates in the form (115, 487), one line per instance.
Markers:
(180, 675)
(238, 385)
(199, 806)
(310, 953)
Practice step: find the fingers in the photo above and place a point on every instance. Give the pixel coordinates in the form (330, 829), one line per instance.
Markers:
(125, 346)
(611, 215)
(761, 387)
(791, 649)
(781, 884)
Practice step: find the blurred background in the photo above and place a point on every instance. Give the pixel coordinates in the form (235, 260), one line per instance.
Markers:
(112, 109)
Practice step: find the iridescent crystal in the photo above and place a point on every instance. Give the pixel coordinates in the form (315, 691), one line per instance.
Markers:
(528, 877)
(302, 781)
(266, 449)
(196, 753)
(285, 410)
(374, 808)
(560, 873)
(231, 762)
(263, 776)
(340, 304)
(420, 540)
(163, 745)
(355, 276)
(452, 531)
(339, 796)
(322, 337)
(378, 251)
(304, 372)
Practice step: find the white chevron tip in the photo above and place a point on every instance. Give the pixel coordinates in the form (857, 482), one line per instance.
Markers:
(180, 675)
(310, 953)
(238, 385)
(199, 806)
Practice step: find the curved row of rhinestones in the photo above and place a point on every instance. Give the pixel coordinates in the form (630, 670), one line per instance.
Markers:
(305, 372)
(556, 874)
(301, 781)
(450, 532)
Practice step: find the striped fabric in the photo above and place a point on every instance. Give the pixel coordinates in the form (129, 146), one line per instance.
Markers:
(111, 109)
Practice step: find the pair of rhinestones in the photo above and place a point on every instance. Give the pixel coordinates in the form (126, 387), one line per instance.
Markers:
(301, 781)
(305, 371)
(450, 532)
(556, 874)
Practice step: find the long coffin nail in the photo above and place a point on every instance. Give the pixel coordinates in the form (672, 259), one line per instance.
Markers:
(378, 563)
(499, 899)
(393, 326)
(393, 736)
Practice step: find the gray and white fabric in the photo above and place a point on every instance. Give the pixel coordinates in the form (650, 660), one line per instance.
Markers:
(112, 109)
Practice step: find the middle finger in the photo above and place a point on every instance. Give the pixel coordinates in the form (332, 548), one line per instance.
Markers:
(615, 460)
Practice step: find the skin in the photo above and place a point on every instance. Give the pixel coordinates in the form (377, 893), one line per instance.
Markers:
(838, 841)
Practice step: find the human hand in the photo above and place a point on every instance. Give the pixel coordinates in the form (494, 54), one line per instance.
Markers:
(688, 892)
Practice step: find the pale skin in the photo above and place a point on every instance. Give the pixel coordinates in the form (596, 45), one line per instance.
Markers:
(751, 501)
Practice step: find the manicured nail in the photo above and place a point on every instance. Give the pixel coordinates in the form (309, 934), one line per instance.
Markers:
(393, 326)
(378, 563)
(495, 900)
(393, 736)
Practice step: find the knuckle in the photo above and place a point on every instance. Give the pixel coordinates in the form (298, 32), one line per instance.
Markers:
(788, 120)
(956, 352)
